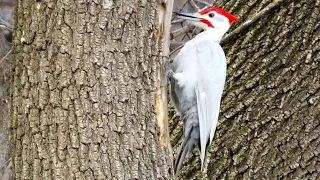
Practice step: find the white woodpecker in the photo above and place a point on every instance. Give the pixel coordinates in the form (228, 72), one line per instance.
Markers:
(197, 76)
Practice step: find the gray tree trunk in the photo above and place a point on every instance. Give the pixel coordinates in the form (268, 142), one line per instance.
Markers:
(269, 125)
(84, 84)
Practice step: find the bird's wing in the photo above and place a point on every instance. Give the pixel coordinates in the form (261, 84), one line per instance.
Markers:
(211, 73)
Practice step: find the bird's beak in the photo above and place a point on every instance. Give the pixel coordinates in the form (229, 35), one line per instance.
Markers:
(188, 16)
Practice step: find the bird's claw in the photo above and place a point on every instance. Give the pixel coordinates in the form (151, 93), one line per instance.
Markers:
(168, 71)
(168, 60)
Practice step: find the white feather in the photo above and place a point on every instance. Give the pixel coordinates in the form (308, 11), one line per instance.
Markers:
(201, 71)
(211, 74)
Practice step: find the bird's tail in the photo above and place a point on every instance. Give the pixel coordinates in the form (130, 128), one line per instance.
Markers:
(184, 150)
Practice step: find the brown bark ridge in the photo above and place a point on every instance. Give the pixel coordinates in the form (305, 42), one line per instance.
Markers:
(83, 90)
(269, 125)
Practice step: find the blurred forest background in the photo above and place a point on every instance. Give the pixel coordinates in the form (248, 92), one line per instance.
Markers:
(6, 14)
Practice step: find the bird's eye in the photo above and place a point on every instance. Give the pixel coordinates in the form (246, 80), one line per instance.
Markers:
(211, 15)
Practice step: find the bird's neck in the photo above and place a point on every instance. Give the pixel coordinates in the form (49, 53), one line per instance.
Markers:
(214, 34)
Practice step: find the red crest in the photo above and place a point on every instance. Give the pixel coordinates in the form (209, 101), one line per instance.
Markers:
(228, 15)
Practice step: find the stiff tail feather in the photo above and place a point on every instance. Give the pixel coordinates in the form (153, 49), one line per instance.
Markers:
(184, 150)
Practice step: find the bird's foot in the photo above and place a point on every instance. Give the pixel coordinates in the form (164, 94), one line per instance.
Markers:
(167, 71)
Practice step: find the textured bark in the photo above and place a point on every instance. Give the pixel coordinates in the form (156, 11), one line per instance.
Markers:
(269, 125)
(83, 90)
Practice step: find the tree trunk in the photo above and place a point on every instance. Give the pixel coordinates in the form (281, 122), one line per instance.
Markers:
(84, 83)
(269, 125)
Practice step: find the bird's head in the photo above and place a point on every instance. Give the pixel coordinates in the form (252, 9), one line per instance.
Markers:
(211, 17)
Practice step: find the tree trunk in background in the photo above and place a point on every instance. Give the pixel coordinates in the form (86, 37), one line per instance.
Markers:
(83, 91)
(269, 125)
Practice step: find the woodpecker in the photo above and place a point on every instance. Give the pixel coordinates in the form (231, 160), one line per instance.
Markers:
(197, 76)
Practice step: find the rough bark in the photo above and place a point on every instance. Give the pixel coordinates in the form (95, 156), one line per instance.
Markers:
(269, 125)
(83, 90)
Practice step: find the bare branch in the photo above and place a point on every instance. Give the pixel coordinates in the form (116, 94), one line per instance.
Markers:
(180, 31)
(4, 57)
(204, 2)
(176, 43)
(193, 4)
(185, 3)
(4, 24)
(177, 21)
(5, 164)
(175, 50)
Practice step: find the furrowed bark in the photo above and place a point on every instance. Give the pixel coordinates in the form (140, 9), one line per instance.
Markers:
(84, 82)
(269, 121)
